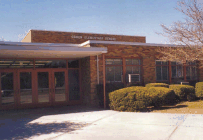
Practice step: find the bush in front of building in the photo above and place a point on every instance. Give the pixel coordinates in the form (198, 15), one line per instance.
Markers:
(160, 96)
(199, 89)
(129, 99)
(138, 98)
(183, 91)
(157, 85)
(109, 88)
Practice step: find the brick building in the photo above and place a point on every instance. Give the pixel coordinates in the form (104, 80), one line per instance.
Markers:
(50, 68)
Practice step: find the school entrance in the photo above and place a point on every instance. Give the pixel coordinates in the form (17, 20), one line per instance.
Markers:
(38, 83)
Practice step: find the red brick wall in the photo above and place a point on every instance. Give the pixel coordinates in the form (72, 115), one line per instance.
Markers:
(38, 36)
(86, 80)
(147, 54)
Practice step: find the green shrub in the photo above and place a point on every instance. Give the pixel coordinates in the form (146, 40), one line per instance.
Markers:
(183, 90)
(157, 85)
(199, 89)
(161, 96)
(129, 99)
(109, 88)
(136, 98)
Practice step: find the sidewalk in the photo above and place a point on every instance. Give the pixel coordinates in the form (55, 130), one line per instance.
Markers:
(90, 124)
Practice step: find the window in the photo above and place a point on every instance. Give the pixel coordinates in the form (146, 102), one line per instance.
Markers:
(161, 70)
(177, 70)
(50, 63)
(73, 63)
(133, 66)
(191, 71)
(10, 63)
(114, 70)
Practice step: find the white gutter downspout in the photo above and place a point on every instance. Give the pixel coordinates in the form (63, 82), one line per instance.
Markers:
(97, 70)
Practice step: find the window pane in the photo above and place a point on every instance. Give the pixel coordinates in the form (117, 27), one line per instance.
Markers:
(110, 73)
(188, 73)
(136, 61)
(129, 69)
(179, 71)
(50, 63)
(136, 70)
(194, 73)
(73, 63)
(117, 61)
(173, 71)
(164, 62)
(158, 73)
(165, 72)
(25, 87)
(7, 88)
(191, 63)
(178, 63)
(114, 62)
(118, 73)
(173, 63)
(128, 61)
(43, 86)
(158, 62)
(9, 63)
(132, 62)
(59, 81)
(109, 61)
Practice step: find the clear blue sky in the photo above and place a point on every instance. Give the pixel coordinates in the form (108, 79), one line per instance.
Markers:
(124, 17)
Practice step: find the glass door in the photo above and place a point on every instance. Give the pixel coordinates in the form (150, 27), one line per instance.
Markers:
(59, 86)
(44, 87)
(8, 97)
(25, 87)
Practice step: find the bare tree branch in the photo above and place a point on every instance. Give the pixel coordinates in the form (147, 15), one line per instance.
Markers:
(187, 34)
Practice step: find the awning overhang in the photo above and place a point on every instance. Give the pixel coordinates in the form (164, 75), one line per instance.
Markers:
(15, 51)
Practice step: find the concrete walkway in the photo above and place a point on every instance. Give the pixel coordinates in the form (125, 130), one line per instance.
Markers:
(76, 123)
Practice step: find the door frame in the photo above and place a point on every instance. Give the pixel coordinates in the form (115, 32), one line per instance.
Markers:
(51, 86)
(66, 87)
(15, 104)
(33, 78)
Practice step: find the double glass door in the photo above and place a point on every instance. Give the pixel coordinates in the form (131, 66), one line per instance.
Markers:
(16, 87)
(33, 87)
(51, 86)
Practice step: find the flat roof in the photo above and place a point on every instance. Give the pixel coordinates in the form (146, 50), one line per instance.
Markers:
(47, 50)
(127, 43)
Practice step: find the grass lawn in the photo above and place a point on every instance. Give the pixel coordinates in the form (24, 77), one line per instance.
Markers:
(194, 107)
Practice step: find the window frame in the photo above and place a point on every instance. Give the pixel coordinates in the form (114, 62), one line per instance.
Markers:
(133, 65)
(123, 74)
(112, 65)
(190, 66)
(161, 65)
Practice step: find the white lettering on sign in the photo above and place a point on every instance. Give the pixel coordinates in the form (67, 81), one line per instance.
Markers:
(75, 36)
(110, 38)
(93, 37)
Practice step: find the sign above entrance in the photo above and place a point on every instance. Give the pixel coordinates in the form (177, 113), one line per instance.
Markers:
(94, 38)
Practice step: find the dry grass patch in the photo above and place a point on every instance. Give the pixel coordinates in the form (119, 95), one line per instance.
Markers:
(195, 107)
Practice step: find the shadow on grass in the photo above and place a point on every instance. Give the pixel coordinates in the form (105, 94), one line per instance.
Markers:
(150, 109)
(15, 124)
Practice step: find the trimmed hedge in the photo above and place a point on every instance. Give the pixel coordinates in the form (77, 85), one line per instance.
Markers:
(129, 99)
(109, 88)
(161, 96)
(183, 91)
(136, 98)
(199, 89)
(157, 85)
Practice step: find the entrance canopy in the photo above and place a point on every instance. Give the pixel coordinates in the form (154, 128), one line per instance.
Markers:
(47, 50)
